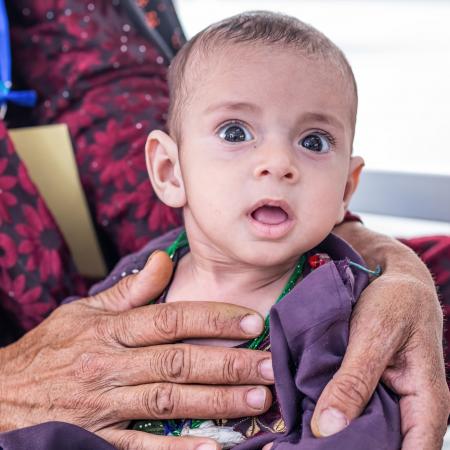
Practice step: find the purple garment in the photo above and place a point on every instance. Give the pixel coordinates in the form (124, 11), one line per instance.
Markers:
(52, 436)
(309, 336)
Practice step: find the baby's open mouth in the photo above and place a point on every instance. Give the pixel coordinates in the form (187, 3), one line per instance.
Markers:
(271, 219)
(270, 215)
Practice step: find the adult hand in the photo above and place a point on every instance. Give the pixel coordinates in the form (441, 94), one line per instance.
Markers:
(396, 334)
(102, 361)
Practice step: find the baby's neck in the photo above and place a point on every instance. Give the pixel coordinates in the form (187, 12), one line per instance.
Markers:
(202, 279)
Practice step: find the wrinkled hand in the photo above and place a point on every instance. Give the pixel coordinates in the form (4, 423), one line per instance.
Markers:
(102, 361)
(397, 324)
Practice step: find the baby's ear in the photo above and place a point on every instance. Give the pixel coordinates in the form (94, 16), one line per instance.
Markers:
(163, 166)
(354, 171)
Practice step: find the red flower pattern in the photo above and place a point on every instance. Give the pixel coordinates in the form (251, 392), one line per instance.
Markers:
(110, 99)
(119, 168)
(8, 251)
(40, 241)
(7, 199)
(25, 182)
(24, 302)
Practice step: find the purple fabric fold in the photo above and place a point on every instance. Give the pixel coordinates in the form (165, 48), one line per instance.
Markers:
(308, 345)
(309, 335)
(52, 436)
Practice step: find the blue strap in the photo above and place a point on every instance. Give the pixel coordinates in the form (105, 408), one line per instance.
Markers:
(23, 98)
(5, 54)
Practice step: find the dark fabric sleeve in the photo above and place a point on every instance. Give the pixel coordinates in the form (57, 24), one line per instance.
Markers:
(52, 436)
(309, 336)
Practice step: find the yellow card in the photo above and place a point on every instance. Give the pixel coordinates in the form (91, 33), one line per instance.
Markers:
(48, 155)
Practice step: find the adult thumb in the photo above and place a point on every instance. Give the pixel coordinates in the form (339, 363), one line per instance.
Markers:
(342, 400)
(136, 289)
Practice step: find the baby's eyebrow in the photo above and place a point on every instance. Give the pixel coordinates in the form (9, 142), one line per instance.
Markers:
(233, 106)
(322, 117)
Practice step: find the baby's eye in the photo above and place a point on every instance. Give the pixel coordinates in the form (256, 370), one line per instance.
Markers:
(316, 142)
(235, 132)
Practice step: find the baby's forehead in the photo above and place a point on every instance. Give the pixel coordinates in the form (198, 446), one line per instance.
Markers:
(212, 65)
(206, 64)
(209, 63)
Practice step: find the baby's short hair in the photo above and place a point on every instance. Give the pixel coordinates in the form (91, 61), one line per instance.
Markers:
(252, 28)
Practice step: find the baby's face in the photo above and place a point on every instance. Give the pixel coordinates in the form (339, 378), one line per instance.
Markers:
(265, 154)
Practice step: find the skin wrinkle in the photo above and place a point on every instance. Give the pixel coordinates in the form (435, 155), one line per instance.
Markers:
(54, 393)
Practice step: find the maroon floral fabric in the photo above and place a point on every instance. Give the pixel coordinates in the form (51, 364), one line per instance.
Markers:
(36, 271)
(435, 253)
(93, 71)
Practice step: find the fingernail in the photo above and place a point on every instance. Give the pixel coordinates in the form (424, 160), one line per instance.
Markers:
(331, 421)
(256, 398)
(206, 447)
(252, 324)
(266, 370)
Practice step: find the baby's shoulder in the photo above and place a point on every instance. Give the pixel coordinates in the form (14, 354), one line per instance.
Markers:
(134, 262)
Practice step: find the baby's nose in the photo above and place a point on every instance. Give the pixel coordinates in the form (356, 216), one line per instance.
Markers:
(277, 164)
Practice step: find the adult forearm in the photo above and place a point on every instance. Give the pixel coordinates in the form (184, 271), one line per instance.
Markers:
(397, 327)
(394, 257)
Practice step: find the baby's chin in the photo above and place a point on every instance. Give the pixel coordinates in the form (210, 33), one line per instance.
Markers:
(268, 255)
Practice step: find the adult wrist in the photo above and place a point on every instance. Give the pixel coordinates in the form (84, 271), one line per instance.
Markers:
(395, 258)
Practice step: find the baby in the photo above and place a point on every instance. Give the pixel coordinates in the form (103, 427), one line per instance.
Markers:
(259, 156)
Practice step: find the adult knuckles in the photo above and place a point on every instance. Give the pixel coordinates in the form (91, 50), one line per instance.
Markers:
(167, 321)
(173, 320)
(92, 366)
(121, 290)
(236, 369)
(215, 322)
(160, 400)
(174, 363)
(222, 403)
(350, 390)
